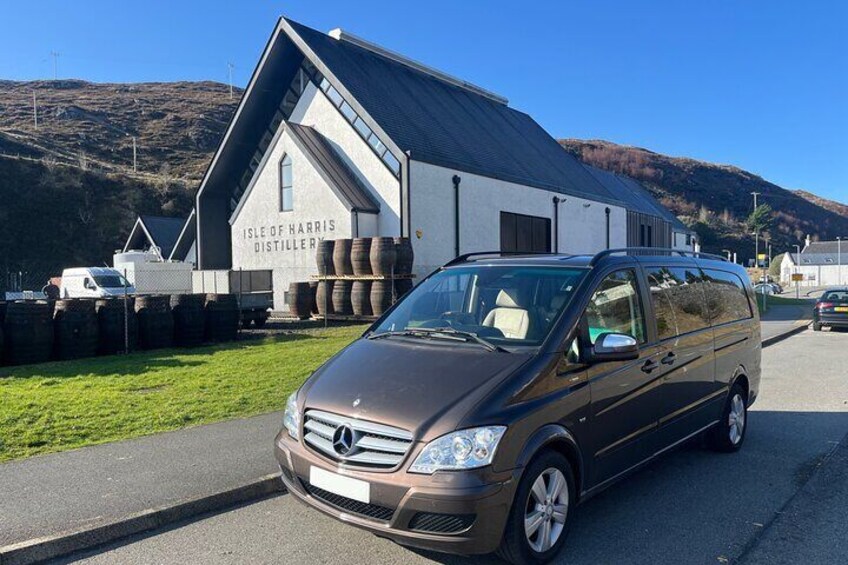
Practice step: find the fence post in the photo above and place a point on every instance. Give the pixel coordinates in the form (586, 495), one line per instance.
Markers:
(241, 323)
(126, 316)
(326, 290)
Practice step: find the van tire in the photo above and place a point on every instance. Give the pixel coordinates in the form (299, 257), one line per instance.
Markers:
(722, 437)
(515, 546)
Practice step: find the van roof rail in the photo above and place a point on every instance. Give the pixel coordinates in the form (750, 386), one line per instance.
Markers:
(466, 257)
(654, 251)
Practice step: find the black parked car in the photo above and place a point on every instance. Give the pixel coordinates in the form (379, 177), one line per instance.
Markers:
(831, 309)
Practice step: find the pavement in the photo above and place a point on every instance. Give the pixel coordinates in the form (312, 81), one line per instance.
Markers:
(781, 499)
(85, 488)
(782, 319)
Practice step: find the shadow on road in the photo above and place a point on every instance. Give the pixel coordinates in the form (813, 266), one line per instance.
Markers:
(696, 506)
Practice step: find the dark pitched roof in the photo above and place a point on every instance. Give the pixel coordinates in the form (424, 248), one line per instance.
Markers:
(347, 184)
(186, 238)
(636, 197)
(447, 125)
(826, 247)
(163, 231)
(823, 259)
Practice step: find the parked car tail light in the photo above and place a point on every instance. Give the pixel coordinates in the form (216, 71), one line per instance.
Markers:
(823, 305)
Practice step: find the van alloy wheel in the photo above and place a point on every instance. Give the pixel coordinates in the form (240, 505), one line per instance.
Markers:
(736, 419)
(546, 510)
(728, 434)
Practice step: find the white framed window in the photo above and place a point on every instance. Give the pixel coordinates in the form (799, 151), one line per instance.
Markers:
(286, 188)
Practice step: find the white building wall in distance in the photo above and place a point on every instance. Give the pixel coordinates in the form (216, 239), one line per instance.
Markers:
(264, 237)
(582, 223)
(315, 110)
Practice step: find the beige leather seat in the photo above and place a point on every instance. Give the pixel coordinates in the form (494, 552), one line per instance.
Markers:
(507, 316)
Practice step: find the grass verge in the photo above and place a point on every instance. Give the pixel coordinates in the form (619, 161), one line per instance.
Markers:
(58, 406)
(782, 301)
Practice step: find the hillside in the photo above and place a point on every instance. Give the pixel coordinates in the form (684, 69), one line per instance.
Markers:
(715, 200)
(74, 173)
(177, 125)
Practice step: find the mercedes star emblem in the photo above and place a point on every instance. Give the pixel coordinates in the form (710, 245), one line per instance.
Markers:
(343, 440)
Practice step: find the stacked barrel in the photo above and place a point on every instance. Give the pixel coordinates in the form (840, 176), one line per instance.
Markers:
(359, 277)
(35, 331)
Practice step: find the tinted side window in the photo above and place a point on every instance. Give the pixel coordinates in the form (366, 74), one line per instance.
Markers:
(615, 307)
(685, 287)
(726, 297)
(660, 279)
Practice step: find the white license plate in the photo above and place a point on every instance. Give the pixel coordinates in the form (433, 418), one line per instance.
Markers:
(342, 486)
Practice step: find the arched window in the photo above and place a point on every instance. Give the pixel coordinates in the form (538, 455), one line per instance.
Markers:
(285, 184)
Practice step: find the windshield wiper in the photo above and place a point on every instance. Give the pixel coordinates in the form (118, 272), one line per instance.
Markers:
(450, 333)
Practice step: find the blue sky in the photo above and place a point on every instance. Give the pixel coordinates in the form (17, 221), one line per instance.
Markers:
(761, 85)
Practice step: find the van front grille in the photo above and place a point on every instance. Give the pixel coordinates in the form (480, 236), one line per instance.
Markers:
(373, 511)
(362, 443)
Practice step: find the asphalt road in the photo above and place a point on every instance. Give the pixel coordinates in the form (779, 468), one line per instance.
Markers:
(692, 506)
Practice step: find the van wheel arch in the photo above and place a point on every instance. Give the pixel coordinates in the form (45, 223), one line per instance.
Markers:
(741, 378)
(555, 437)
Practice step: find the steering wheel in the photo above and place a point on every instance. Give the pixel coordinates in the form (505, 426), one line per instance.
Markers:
(453, 318)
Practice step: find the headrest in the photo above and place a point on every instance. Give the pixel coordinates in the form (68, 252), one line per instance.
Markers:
(507, 298)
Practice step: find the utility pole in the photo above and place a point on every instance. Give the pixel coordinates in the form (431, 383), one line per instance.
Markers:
(839, 260)
(55, 55)
(230, 68)
(797, 265)
(135, 162)
(757, 249)
(34, 110)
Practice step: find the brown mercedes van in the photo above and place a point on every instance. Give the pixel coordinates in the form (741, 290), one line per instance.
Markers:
(504, 390)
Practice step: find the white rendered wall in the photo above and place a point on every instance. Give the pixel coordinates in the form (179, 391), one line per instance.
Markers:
(582, 223)
(266, 238)
(315, 110)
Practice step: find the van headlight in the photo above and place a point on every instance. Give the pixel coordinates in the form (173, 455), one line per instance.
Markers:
(291, 418)
(457, 451)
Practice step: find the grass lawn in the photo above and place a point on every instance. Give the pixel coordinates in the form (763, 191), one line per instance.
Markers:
(59, 406)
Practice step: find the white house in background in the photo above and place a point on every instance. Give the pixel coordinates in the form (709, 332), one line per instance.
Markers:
(821, 263)
(336, 137)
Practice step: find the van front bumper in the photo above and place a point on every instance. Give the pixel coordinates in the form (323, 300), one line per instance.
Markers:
(452, 512)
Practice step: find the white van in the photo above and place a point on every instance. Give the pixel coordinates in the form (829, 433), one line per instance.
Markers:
(94, 282)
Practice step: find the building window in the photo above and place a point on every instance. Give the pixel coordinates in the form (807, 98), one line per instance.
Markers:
(525, 234)
(285, 184)
(358, 123)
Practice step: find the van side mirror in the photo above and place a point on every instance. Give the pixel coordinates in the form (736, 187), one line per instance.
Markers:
(89, 285)
(614, 347)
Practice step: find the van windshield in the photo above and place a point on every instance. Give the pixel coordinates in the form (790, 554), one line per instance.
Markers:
(503, 305)
(110, 281)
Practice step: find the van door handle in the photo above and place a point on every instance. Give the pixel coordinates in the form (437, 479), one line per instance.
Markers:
(649, 366)
(669, 359)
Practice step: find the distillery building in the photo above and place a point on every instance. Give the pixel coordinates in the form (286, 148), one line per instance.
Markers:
(336, 137)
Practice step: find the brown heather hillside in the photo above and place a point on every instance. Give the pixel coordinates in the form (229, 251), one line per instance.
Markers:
(177, 125)
(68, 192)
(832, 205)
(715, 200)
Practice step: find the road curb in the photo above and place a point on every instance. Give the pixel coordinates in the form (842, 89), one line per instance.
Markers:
(789, 333)
(51, 547)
